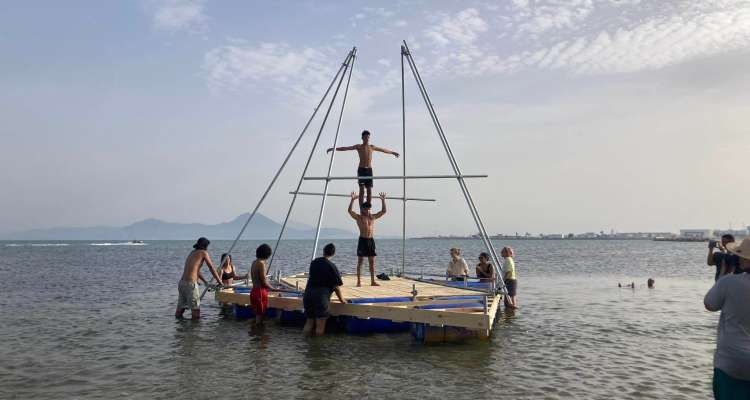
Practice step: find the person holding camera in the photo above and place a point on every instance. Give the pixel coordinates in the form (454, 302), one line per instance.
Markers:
(724, 261)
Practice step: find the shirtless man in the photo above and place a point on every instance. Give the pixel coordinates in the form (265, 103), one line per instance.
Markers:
(366, 245)
(365, 164)
(188, 286)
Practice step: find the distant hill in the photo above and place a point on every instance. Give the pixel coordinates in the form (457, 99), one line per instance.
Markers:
(261, 227)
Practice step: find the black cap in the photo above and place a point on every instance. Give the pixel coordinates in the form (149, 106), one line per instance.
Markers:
(202, 243)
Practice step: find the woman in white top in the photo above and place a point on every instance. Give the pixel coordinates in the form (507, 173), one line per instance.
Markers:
(457, 270)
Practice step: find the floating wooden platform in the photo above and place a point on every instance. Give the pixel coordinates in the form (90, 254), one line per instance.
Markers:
(435, 305)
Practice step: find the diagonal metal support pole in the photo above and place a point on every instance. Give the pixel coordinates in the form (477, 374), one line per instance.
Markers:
(333, 156)
(454, 164)
(345, 67)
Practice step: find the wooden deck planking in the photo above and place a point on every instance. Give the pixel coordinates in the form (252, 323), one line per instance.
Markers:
(396, 287)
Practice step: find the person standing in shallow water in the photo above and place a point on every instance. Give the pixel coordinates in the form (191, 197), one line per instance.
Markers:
(188, 296)
(259, 293)
(323, 280)
(509, 272)
(366, 244)
(731, 295)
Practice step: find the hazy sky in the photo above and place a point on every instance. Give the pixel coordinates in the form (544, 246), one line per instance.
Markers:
(588, 115)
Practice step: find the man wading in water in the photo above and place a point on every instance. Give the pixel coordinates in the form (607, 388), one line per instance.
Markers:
(188, 286)
(365, 164)
(366, 245)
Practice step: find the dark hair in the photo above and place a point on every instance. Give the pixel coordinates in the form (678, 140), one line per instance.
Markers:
(729, 238)
(485, 255)
(201, 244)
(367, 204)
(263, 251)
(365, 133)
(329, 250)
(225, 256)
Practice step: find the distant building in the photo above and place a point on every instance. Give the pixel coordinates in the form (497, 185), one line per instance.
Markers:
(553, 236)
(737, 233)
(696, 233)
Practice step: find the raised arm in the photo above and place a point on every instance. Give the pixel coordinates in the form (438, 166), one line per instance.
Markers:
(382, 207)
(345, 148)
(386, 151)
(211, 267)
(351, 204)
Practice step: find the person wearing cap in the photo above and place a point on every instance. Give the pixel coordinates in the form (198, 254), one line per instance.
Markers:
(731, 295)
(187, 288)
(725, 263)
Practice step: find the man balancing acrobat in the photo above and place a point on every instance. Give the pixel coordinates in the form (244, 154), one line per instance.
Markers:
(366, 244)
(365, 164)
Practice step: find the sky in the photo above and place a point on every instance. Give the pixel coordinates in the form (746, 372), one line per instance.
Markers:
(587, 115)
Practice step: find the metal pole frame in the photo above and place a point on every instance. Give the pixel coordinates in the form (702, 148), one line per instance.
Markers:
(345, 66)
(403, 160)
(456, 169)
(333, 156)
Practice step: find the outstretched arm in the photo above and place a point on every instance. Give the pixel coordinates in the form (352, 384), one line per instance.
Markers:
(211, 267)
(386, 151)
(351, 204)
(345, 148)
(382, 207)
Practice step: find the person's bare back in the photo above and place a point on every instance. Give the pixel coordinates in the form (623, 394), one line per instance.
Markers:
(193, 263)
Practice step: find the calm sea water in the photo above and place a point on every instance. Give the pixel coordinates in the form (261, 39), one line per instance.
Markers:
(85, 321)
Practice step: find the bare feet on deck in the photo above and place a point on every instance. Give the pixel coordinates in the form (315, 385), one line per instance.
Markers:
(359, 284)
(374, 284)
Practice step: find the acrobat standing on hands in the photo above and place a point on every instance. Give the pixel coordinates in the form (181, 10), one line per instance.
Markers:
(366, 244)
(365, 164)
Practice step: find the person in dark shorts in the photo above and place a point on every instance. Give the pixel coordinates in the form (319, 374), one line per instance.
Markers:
(366, 244)
(365, 151)
(724, 261)
(323, 280)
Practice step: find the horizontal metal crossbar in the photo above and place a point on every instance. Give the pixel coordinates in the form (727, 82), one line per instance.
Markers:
(346, 195)
(334, 178)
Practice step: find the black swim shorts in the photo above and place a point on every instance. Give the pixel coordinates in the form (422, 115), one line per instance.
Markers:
(511, 285)
(366, 247)
(365, 172)
(316, 301)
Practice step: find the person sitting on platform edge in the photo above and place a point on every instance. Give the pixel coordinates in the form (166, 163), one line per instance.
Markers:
(366, 244)
(188, 296)
(457, 270)
(259, 293)
(731, 295)
(228, 274)
(725, 263)
(485, 270)
(323, 280)
(365, 164)
(511, 283)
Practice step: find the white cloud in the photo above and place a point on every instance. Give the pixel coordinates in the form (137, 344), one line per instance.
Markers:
(175, 15)
(299, 71)
(462, 29)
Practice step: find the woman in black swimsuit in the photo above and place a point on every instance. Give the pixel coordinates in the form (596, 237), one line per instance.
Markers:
(485, 271)
(227, 270)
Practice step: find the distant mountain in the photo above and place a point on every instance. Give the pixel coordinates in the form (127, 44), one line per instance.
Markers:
(261, 227)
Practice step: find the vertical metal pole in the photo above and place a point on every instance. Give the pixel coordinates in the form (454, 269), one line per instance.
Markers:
(307, 164)
(454, 164)
(333, 155)
(403, 161)
(283, 164)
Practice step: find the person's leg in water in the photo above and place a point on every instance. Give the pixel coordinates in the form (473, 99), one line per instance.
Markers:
(359, 271)
(371, 261)
(258, 320)
(178, 312)
(195, 313)
(309, 325)
(320, 326)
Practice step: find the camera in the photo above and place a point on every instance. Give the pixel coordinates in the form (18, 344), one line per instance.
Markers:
(712, 244)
